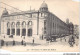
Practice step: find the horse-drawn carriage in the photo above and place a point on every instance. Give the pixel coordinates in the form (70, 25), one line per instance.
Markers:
(51, 38)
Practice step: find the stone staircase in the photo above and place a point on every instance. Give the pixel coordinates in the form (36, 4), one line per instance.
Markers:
(27, 39)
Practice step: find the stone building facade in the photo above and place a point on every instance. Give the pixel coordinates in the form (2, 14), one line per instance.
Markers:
(32, 23)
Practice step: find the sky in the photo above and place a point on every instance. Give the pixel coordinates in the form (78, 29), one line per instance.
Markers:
(61, 8)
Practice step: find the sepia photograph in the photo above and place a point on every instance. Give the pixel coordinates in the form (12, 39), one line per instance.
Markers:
(39, 25)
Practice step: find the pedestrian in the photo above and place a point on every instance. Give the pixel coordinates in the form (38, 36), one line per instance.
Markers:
(47, 40)
(73, 40)
(70, 42)
(54, 38)
(22, 42)
(65, 39)
(42, 37)
(33, 40)
(13, 42)
(2, 42)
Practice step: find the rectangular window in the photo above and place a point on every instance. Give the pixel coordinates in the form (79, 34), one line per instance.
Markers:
(44, 24)
(53, 25)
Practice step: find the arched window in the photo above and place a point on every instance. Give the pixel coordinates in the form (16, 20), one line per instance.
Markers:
(23, 23)
(18, 24)
(18, 28)
(13, 28)
(13, 24)
(8, 24)
(30, 23)
(8, 28)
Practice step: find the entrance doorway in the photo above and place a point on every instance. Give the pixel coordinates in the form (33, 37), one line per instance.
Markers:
(18, 32)
(23, 32)
(29, 32)
(8, 31)
(13, 31)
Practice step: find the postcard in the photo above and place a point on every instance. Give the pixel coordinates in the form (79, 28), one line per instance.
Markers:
(39, 25)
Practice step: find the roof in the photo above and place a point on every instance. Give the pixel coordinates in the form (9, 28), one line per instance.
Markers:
(21, 13)
(24, 12)
(44, 5)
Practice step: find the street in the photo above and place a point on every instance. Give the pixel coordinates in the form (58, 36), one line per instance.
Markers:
(40, 45)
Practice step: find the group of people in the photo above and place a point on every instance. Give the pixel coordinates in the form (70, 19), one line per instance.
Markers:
(71, 41)
(2, 42)
(23, 42)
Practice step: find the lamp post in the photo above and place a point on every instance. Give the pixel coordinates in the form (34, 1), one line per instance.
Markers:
(38, 23)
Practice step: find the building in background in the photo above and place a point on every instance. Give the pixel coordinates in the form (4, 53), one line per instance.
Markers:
(71, 28)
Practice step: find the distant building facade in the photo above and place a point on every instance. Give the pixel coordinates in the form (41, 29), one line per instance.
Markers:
(33, 23)
(71, 28)
(76, 29)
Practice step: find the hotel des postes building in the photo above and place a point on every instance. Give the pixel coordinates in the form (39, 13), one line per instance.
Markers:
(32, 24)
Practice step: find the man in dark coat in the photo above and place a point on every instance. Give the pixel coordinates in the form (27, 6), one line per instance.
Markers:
(33, 40)
(71, 41)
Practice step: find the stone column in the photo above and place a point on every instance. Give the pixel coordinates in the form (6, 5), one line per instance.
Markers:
(26, 27)
(10, 28)
(15, 28)
(20, 28)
